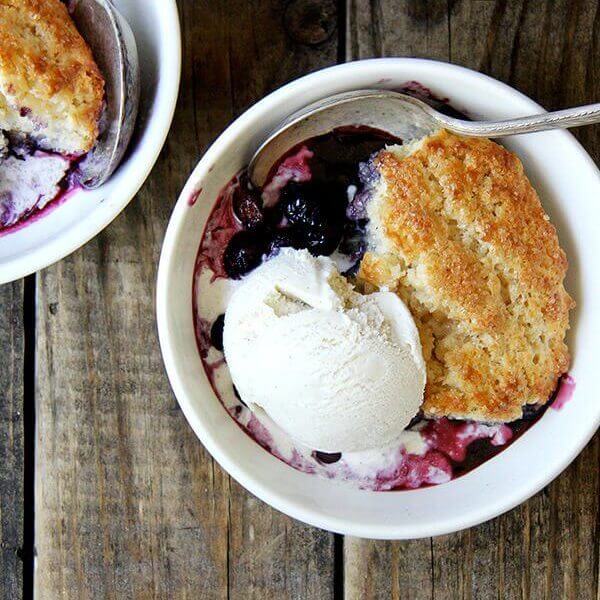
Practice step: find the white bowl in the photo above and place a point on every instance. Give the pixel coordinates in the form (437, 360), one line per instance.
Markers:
(63, 229)
(569, 185)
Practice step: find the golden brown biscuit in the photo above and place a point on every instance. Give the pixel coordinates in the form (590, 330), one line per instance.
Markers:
(50, 86)
(457, 230)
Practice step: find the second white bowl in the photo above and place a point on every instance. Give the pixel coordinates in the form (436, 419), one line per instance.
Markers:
(55, 233)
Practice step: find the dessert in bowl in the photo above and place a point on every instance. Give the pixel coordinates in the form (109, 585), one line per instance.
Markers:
(418, 252)
(51, 100)
(51, 111)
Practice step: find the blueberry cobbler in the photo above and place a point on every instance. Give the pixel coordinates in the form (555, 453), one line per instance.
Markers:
(51, 99)
(390, 315)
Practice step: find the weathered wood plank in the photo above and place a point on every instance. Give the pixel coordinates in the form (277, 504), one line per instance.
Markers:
(376, 569)
(12, 345)
(547, 547)
(273, 556)
(389, 28)
(128, 502)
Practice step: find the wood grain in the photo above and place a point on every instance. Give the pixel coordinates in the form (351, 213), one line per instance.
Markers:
(406, 28)
(547, 547)
(128, 503)
(12, 345)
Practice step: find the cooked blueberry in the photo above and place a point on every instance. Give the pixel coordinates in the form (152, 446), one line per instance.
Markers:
(247, 207)
(318, 210)
(299, 204)
(244, 252)
(322, 241)
(20, 146)
(327, 457)
(317, 218)
(353, 239)
(216, 332)
(273, 215)
(286, 238)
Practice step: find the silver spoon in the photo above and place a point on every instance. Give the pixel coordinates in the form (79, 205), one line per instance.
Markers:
(400, 115)
(113, 45)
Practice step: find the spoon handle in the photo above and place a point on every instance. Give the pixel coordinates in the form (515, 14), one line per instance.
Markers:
(569, 117)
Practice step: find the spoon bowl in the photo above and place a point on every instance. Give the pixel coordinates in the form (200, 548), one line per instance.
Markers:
(401, 115)
(114, 48)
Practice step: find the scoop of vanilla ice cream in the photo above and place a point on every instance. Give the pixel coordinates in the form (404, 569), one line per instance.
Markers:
(337, 370)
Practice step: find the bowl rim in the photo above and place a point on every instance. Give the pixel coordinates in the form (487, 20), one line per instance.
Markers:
(293, 507)
(55, 249)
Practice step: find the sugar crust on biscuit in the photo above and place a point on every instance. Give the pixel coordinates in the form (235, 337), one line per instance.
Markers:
(457, 230)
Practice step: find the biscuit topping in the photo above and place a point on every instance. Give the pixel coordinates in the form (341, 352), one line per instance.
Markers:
(457, 230)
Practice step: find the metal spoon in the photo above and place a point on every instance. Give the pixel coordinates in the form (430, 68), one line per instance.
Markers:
(113, 45)
(401, 115)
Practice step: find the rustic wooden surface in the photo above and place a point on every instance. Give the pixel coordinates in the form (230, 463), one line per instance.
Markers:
(127, 502)
(12, 346)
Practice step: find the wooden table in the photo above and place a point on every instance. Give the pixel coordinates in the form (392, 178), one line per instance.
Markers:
(103, 485)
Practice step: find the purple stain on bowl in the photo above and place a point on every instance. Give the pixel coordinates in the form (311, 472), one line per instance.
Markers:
(566, 389)
(194, 197)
